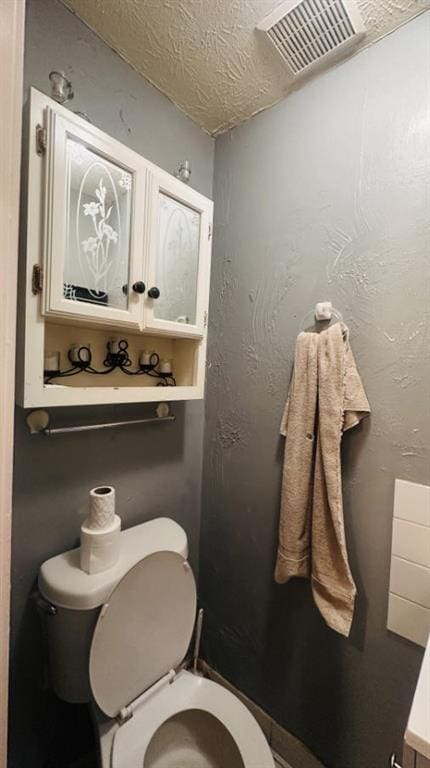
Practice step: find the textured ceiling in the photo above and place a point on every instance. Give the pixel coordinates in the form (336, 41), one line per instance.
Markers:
(205, 54)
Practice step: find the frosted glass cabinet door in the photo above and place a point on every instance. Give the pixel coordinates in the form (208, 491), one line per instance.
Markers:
(95, 241)
(178, 276)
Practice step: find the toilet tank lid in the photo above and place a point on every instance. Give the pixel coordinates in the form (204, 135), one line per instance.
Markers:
(63, 583)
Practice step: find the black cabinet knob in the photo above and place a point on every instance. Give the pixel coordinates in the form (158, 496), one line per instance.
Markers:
(154, 293)
(139, 287)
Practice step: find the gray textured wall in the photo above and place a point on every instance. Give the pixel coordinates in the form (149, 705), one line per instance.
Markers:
(322, 197)
(157, 469)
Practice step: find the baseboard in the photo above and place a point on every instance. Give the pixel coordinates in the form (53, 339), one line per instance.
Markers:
(279, 761)
(290, 750)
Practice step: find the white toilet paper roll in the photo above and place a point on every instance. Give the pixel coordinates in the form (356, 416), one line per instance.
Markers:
(102, 507)
(100, 547)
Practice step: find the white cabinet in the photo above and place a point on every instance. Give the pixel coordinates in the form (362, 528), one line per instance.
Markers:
(94, 224)
(117, 249)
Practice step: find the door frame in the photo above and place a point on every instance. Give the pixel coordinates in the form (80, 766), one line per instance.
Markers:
(12, 13)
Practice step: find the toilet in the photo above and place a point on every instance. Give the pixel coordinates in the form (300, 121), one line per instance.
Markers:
(119, 640)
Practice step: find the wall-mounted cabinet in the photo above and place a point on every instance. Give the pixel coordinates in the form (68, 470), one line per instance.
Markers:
(116, 249)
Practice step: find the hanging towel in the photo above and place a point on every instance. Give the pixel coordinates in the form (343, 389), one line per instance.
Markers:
(326, 397)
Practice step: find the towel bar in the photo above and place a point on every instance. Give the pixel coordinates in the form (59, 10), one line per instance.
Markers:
(38, 422)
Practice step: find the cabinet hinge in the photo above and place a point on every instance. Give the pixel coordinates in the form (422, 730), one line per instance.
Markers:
(41, 139)
(37, 279)
(205, 318)
(209, 232)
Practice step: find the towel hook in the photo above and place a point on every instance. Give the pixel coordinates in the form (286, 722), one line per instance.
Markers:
(324, 310)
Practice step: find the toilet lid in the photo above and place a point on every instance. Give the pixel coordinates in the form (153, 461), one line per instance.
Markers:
(143, 631)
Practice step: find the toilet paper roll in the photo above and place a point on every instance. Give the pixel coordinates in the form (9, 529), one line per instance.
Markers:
(102, 507)
(100, 548)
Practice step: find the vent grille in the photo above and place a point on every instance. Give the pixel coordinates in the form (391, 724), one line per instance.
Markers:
(312, 30)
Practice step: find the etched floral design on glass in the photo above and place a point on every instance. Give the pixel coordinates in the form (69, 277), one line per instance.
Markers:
(96, 248)
(125, 180)
(178, 257)
(98, 228)
(69, 291)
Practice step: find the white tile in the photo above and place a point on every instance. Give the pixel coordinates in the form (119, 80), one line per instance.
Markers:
(411, 541)
(410, 581)
(408, 619)
(412, 502)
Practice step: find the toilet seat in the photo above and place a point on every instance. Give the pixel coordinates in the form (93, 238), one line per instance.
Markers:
(141, 637)
(186, 692)
(143, 630)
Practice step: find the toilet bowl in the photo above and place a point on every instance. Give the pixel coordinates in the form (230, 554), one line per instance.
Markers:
(119, 641)
(190, 722)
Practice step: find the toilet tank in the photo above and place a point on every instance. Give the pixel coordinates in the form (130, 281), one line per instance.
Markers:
(74, 599)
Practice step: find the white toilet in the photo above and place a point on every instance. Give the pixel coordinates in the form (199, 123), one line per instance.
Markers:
(119, 638)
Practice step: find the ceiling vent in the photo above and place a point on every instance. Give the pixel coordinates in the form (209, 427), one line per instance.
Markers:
(311, 32)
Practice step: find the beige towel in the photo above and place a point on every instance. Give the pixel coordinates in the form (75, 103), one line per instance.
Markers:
(326, 397)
